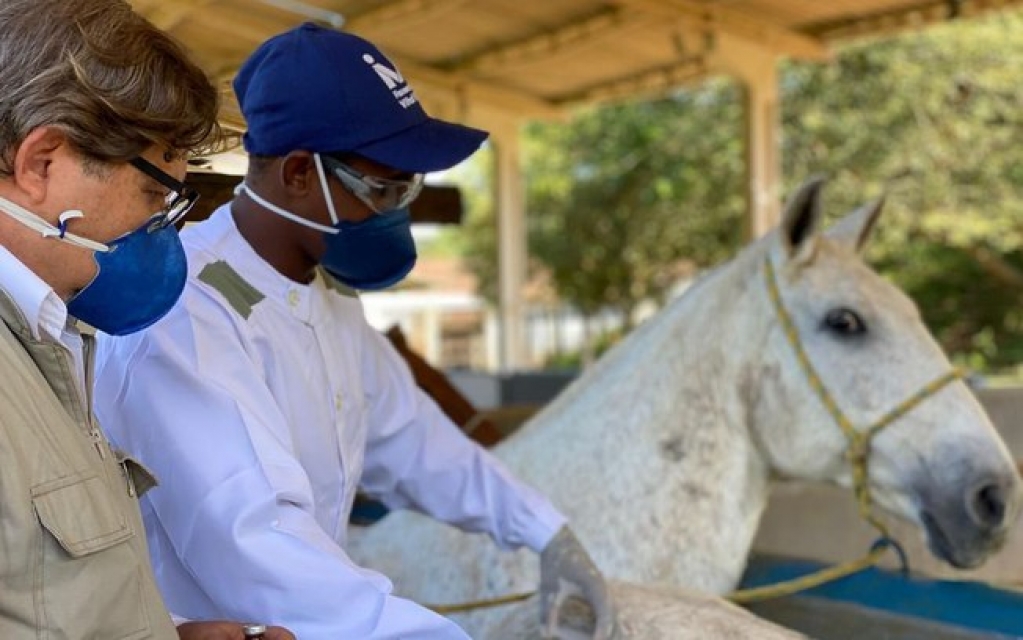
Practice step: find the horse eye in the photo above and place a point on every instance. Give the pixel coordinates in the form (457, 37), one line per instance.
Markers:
(845, 322)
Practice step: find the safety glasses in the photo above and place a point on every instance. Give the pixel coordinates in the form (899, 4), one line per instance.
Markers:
(179, 201)
(379, 194)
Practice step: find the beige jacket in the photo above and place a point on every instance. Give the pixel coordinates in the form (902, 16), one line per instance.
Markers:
(73, 559)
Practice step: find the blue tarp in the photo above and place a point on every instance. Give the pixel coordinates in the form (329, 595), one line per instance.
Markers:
(971, 605)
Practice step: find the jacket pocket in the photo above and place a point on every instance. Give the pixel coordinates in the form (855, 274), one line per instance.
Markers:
(91, 573)
(81, 514)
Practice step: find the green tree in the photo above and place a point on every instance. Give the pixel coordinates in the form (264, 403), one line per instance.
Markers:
(622, 195)
(932, 120)
(477, 236)
(627, 196)
(618, 200)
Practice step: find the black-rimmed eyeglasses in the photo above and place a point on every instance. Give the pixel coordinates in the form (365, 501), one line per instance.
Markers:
(179, 201)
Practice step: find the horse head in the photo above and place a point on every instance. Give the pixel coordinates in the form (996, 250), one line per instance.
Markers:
(852, 388)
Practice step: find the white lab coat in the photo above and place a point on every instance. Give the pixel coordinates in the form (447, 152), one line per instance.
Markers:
(260, 418)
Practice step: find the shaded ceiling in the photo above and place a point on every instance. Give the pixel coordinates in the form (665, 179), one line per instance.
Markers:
(536, 58)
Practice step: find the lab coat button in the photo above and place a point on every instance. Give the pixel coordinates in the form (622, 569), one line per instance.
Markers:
(293, 298)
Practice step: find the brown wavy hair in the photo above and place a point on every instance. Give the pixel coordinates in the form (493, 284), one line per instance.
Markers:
(109, 79)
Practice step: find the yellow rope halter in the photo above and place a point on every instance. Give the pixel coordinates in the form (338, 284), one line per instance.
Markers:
(857, 453)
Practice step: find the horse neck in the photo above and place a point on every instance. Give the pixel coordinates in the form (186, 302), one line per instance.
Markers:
(660, 425)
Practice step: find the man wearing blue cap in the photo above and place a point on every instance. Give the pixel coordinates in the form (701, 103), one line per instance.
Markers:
(264, 397)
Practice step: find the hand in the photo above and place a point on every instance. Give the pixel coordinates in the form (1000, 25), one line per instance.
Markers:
(566, 571)
(221, 630)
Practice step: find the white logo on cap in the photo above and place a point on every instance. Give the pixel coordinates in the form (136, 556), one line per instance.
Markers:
(401, 90)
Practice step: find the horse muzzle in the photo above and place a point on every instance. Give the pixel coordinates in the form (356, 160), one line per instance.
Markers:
(965, 527)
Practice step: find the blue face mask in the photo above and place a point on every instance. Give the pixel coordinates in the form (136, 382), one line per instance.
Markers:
(141, 274)
(370, 255)
(373, 254)
(124, 297)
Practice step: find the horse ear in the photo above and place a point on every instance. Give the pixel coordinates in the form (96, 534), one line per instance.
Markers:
(801, 220)
(854, 228)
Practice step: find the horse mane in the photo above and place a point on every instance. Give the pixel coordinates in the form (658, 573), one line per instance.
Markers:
(629, 346)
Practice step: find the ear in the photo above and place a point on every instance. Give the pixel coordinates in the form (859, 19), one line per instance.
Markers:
(34, 158)
(854, 228)
(298, 173)
(801, 220)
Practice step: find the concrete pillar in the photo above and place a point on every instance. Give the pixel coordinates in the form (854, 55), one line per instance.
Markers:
(502, 122)
(763, 157)
(491, 341)
(755, 67)
(432, 333)
(509, 194)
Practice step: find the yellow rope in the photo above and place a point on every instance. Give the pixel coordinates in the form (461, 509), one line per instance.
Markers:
(742, 596)
(809, 581)
(446, 609)
(857, 453)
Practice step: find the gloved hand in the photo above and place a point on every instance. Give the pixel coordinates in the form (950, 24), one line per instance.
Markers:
(566, 571)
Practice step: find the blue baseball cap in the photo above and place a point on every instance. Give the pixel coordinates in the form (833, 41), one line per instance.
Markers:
(327, 91)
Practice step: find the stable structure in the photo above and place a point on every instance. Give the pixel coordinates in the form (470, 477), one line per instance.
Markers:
(497, 63)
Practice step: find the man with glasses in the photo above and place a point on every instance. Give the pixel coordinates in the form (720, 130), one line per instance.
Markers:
(99, 112)
(265, 399)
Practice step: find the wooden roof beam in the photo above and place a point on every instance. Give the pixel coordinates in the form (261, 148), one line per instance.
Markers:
(453, 85)
(917, 15)
(404, 12)
(166, 16)
(542, 45)
(230, 116)
(473, 89)
(651, 82)
(243, 32)
(756, 28)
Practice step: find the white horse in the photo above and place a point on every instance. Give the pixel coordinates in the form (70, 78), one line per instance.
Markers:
(662, 453)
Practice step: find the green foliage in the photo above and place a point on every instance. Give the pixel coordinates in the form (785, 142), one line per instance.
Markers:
(477, 237)
(621, 196)
(574, 360)
(933, 121)
(619, 200)
(439, 244)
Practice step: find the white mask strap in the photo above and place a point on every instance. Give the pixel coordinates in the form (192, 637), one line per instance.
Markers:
(326, 189)
(47, 230)
(284, 213)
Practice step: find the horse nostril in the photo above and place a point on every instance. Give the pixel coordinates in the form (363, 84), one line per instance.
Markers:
(987, 505)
